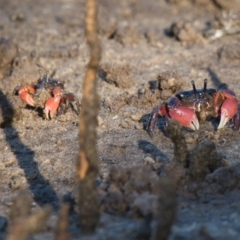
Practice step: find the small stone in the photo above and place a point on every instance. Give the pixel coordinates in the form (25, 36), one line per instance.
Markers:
(100, 121)
(216, 135)
(139, 126)
(32, 176)
(149, 160)
(47, 161)
(136, 117)
(125, 125)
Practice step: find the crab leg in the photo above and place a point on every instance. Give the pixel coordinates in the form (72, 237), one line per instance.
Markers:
(156, 112)
(228, 109)
(24, 94)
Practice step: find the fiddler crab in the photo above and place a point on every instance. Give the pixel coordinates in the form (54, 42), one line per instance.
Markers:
(56, 99)
(190, 107)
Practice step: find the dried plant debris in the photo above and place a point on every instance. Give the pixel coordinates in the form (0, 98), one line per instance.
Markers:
(21, 206)
(23, 225)
(180, 147)
(224, 179)
(167, 206)
(186, 33)
(118, 75)
(62, 231)
(169, 83)
(201, 161)
(204, 159)
(132, 191)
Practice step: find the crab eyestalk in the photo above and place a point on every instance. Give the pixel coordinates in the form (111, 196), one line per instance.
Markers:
(40, 74)
(47, 73)
(194, 87)
(205, 85)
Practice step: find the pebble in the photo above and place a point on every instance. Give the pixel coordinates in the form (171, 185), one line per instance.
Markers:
(136, 117)
(149, 160)
(216, 136)
(139, 126)
(125, 125)
(32, 176)
(47, 161)
(100, 121)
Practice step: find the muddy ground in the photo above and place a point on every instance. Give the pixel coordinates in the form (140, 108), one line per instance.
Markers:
(138, 46)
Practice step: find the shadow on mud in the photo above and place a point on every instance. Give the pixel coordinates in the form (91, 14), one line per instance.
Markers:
(216, 80)
(42, 191)
(151, 149)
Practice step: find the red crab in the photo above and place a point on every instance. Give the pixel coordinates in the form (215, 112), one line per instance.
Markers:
(190, 107)
(59, 99)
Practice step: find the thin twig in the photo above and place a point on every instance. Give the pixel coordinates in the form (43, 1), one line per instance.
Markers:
(87, 167)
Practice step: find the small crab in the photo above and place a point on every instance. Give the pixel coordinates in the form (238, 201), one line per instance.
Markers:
(56, 99)
(190, 107)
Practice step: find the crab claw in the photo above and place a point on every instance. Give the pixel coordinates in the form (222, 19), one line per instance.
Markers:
(24, 94)
(185, 116)
(53, 103)
(229, 109)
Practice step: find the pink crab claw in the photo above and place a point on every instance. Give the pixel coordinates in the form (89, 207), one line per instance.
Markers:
(24, 94)
(229, 109)
(185, 116)
(53, 103)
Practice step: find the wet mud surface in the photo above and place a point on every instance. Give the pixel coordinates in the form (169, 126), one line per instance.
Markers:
(151, 50)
